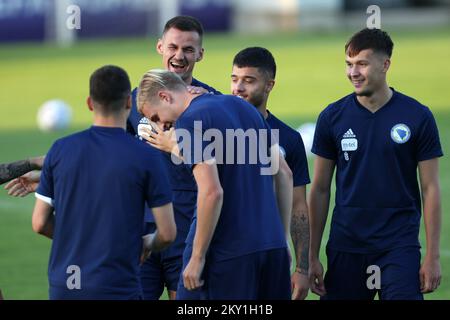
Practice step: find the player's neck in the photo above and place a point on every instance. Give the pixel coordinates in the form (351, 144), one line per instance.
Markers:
(188, 80)
(188, 99)
(112, 122)
(263, 110)
(377, 100)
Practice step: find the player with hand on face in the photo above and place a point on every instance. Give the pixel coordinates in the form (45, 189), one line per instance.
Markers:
(236, 248)
(181, 48)
(377, 139)
(253, 78)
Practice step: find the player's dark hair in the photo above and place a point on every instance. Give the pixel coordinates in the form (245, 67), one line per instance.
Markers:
(375, 39)
(185, 23)
(256, 57)
(109, 87)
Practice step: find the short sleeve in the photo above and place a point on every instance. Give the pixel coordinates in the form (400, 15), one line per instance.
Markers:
(45, 190)
(158, 191)
(323, 143)
(428, 142)
(298, 163)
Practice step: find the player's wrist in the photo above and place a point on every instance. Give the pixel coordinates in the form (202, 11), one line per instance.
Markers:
(35, 163)
(302, 271)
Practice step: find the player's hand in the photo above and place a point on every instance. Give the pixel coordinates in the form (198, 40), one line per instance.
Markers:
(316, 277)
(24, 185)
(162, 140)
(197, 90)
(430, 275)
(299, 285)
(192, 273)
(144, 255)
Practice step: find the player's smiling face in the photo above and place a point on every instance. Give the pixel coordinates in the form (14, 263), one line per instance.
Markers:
(180, 51)
(367, 71)
(251, 84)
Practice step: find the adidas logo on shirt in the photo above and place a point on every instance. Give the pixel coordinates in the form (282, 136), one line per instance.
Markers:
(349, 134)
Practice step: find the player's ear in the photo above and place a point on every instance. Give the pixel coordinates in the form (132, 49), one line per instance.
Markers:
(386, 65)
(269, 85)
(200, 55)
(90, 103)
(129, 103)
(164, 96)
(159, 46)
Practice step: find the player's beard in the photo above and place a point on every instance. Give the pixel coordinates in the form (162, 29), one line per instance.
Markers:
(364, 93)
(256, 100)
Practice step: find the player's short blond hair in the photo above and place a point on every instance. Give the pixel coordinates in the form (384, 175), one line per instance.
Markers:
(153, 82)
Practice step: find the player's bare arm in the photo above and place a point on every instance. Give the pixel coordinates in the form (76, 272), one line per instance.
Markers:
(165, 234)
(430, 271)
(24, 185)
(209, 205)
(43, 220)
(9, 171)
(319, 201)
(300, 240)
(283, 191)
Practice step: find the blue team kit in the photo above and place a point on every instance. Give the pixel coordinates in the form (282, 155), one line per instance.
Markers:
(376, 154)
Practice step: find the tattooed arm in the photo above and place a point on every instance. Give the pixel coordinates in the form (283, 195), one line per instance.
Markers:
(9, 171)
(300, 240)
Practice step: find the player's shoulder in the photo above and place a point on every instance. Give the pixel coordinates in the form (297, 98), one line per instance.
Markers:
(197, 83)
(285, 129)
(205, 104)
(339, 105)
(71, 138)
(411, 104)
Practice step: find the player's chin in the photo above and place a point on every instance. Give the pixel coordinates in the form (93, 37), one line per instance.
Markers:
(179, 71)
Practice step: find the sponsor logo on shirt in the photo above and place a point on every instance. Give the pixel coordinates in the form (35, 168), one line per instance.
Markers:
(349, 134)
(400, 133)
(349, 143)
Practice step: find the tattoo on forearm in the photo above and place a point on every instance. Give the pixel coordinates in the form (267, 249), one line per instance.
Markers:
(300, 238)
(9, 171)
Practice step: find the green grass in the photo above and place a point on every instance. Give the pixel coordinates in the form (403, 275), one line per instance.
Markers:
(310, 76)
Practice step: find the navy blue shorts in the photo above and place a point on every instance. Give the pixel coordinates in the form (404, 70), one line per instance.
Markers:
(262, 275)
(347, 275)
(163, 269)
(158, 272)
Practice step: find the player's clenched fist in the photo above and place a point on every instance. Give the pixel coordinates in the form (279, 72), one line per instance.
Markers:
(192, 273)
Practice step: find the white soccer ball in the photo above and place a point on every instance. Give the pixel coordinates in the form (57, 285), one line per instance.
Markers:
(307, 130)
(54, 115)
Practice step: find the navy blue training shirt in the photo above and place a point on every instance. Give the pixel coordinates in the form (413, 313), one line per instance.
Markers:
(378, 205)
(293, 150)
(181, 180)
(249, 220)
(99, 181)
